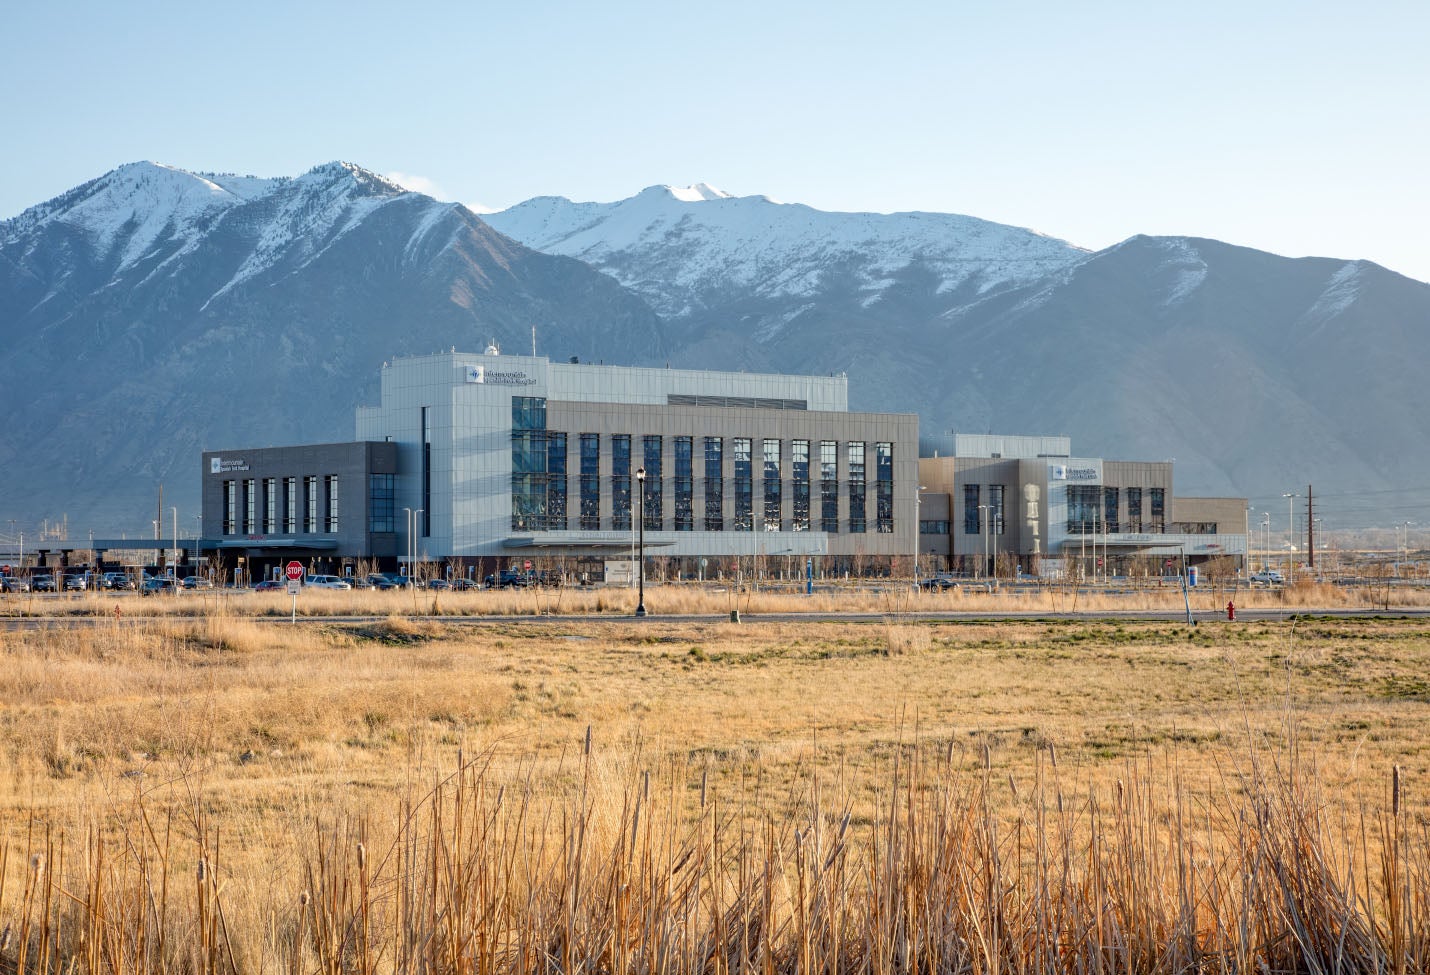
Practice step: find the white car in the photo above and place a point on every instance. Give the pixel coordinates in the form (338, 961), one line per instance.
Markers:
(1269, 576)
(329, 582)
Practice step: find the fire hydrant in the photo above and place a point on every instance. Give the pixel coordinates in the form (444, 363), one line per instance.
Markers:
(1231, 611)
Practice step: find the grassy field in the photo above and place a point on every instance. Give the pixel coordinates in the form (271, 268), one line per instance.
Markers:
(506, 781)
(886, 596)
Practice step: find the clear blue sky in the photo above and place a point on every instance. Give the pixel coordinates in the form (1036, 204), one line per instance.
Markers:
(1299, 128)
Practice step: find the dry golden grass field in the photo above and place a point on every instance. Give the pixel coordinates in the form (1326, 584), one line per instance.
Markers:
(220, 792)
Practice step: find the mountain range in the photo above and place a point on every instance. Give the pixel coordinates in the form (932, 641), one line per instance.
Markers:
(152, 313)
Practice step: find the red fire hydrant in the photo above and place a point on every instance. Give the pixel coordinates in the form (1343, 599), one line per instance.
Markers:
(1231, 611)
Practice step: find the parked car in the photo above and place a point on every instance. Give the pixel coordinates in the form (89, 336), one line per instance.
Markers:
(328, 582)
(509, 579)
(438, 585)
(1270, 577)
(77, 582)
(269, 585)
(115, 580)
(465, 585)
(154, 585)
(938, 583)
(197, 582)
(42, 583)
(393, 580)
(14, 584)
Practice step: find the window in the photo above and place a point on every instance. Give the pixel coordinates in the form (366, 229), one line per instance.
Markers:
(995, 509)
(330, 482)
(652, 497)
(230, 507)
(829, 486)
(744, 486)
(381, 503)
(250, 501)
(972, 517)
(310, 513)
(1159, 509)
(1134, 509)
(290, 505)
(1083, 502)
(933, 527)
(621, 482)
(684, 484)
(270, 505)
(854, 451)
(533, 488)
(799, 484)
(555, 481)
(771, 481)
(590, 481)
(1109, 509)
(884, 487)
(528, 413)
(714, 485)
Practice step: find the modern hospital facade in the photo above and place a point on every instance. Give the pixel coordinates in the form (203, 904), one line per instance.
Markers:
(486, 460)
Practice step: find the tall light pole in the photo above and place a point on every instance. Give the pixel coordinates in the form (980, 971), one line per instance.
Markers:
(983, 515)
(1291, 535)
(1402, 549)
(407, 514)
(1265, 537)
(640, 559)
(174, 515)
(1246, 556)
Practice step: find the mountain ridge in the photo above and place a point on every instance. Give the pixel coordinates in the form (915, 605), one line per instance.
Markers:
(195, 309)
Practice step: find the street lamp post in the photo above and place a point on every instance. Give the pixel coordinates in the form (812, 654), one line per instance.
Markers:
(1402, 548)
(1291, 535)
(1265, 537)
(983, 516)
(412, 517)
(640, 559)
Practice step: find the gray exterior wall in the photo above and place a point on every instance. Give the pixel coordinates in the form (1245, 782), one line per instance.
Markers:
(350, 463)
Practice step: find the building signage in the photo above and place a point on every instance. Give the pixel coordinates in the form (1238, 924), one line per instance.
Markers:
(1062, 472)
(493, 377)
(220, 465)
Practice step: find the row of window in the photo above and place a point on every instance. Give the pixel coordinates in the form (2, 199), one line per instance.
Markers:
(293, 505)
(1092, 508)
(756, 473)
(249, 510)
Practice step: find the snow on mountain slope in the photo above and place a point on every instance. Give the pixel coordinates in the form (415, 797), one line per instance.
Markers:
(135, 207)
(681, 247)
(313, 211)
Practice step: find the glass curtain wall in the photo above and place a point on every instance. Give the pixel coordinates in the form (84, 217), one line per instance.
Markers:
(829, 486)
(799, 484)
(590, 482)
(855, 452)
(714, 485)
(771, 481)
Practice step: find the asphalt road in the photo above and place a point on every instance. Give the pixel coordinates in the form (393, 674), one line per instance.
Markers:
(20, 623)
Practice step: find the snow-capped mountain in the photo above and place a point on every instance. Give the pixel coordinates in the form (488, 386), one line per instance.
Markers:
(695, 249)
(152, 313)
(1257, 372)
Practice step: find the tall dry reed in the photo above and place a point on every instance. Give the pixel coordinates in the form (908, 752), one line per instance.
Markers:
(612, 867)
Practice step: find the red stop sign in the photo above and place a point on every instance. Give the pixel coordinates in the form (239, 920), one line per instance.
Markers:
(295, 570)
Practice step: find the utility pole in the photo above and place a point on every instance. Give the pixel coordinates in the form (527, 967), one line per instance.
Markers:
(158, 523)
(1310, 530)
